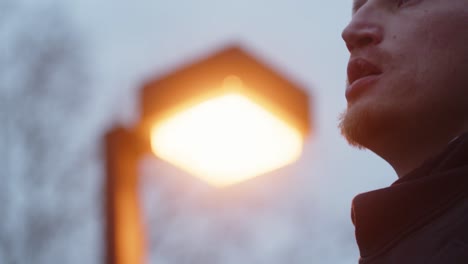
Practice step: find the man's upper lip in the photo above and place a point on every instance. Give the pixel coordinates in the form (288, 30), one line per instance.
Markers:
(359, 68)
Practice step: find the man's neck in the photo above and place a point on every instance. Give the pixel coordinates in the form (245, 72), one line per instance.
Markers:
(408, 153)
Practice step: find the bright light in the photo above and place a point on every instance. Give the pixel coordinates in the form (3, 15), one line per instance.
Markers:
(226, 139)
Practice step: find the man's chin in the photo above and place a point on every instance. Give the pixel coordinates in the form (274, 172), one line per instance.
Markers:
(350, 129)
(361, 125)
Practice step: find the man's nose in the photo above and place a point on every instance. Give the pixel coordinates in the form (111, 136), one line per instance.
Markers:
(361, 33)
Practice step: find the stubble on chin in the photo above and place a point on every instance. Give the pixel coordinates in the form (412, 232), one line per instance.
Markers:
(360, 124)
(351, 128)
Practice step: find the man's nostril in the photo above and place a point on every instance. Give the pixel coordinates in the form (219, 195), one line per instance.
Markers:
(364, 41)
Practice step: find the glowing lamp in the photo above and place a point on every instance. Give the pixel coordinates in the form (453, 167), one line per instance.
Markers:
(226, 139)
(225, 119)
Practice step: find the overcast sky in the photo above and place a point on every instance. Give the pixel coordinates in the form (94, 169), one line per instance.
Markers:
(131, 41)
(302, 39)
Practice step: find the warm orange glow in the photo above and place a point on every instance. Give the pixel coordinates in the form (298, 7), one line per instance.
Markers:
(226, 139)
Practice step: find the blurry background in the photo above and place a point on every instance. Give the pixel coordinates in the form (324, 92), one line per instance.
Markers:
(71, 69)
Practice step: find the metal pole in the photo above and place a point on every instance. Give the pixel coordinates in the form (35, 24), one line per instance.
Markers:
(125, 236)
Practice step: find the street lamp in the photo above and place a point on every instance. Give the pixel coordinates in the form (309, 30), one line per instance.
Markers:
(224, 119)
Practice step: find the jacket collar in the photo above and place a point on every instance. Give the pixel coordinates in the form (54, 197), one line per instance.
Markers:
(383, 217)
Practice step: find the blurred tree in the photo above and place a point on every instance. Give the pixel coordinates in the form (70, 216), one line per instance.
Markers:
(49, 212)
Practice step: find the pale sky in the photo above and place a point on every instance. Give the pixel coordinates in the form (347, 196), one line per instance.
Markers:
(301, 39)
(130, 41)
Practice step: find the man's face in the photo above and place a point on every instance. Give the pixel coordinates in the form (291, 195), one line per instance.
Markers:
(408, 68)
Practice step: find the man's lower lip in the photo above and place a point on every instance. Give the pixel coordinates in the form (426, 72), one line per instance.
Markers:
(359, 86)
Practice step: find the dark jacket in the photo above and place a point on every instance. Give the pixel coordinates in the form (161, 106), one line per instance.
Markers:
(422, 217)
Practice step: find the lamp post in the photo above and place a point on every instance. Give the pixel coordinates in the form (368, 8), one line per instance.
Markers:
(224, 119)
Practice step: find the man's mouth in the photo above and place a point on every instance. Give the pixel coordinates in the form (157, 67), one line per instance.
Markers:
(360, 75)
